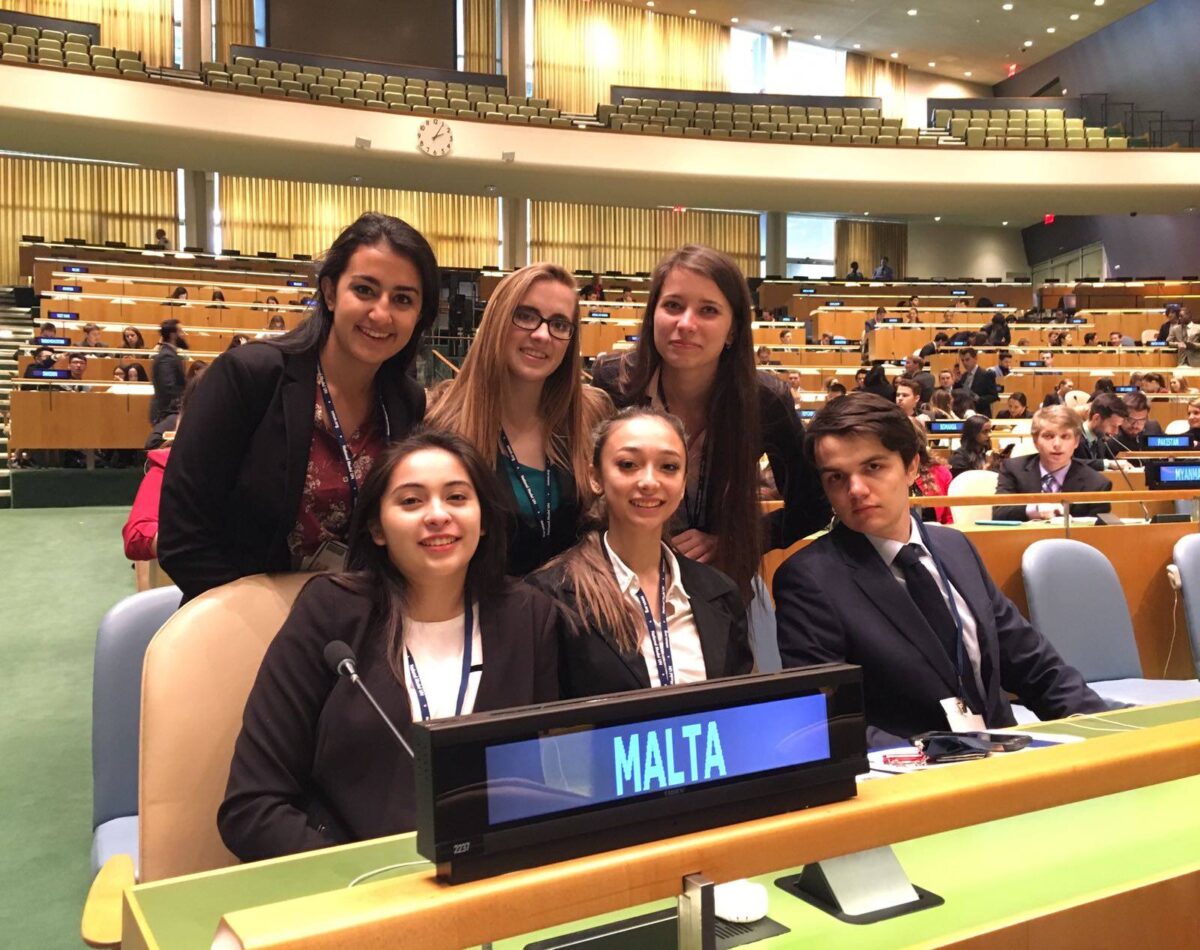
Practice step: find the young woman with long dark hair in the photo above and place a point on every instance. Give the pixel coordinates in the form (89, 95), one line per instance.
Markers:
(519, 400)
(642, 614)
(436, 631)
(695, 359)
(283, 432)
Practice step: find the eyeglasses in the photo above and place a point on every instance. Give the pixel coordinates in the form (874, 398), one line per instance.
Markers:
(561, 328)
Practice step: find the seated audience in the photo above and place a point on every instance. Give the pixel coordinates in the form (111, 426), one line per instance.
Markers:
(855, 273)
(1103, 385)
(1115, 338)
(939, 340)
(1018, 407)
(1056, 433)
(1104, 416)
(762, 356)
(974, 450)
(908, 396)
(77, 366)
(1003, 365)
(977, 381)
(43, 359)
(1152, 383)
(642, 614)
(860, 377)
(946, 381)
(179, 293)
(1193, 418)
(314, 765)
(916, 369)
(912, 604)
(92, 339)
(1058, 393)
(1178, 384)
(933, 480)
(941, 406)
(131, 339)
(47, 329)
(1134, 428)
(795, 387)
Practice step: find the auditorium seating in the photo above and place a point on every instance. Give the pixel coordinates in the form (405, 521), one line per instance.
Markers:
(61, 50)
(377, 90)
(1024, 128)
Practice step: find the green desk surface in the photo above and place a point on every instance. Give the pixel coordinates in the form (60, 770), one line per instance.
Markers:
(1016, 866)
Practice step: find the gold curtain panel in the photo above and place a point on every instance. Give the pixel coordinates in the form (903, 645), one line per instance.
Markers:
(144, 25)
(868, 76)
(235, 25)
(479, 29)
(581, 49)
(92, 201)
(602, 238)
(868, 241)
(295, 217)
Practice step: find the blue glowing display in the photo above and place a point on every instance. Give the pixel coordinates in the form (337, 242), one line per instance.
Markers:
(570, 770)
(1179, 473)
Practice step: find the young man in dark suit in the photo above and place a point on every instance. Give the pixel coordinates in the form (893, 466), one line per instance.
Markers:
(1056, 433)
(977, 380)
(913, 605)
(1134, 428)
(1105, 415)
(166, 371)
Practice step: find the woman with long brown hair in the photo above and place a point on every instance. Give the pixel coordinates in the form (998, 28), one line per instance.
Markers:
(695, 359)
(519, 400)
(643, 614)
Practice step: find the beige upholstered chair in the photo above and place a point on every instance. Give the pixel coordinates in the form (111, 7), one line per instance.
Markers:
(198, 671)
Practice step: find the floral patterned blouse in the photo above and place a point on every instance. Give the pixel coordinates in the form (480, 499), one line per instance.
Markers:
(325, 509)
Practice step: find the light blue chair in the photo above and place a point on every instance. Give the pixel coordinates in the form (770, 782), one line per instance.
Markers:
(1076, 602)
(121, 642)
(1187, 559)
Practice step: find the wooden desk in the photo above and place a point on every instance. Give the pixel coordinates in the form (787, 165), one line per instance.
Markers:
(416, 910)
(58, 420)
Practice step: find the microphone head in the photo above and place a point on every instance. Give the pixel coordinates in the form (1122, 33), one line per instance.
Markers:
(336, 653)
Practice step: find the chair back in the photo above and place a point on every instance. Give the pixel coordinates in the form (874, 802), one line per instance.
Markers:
(121, 642)
(979, 482)
(1177, 427)
(1187, 558)
(198, 672)
(1076, 398)
(1076, 602)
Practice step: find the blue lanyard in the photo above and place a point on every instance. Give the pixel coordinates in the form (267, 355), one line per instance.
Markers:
(960, 648)
(662, 648)
(468, 635)
(336, 425)
(542, 515)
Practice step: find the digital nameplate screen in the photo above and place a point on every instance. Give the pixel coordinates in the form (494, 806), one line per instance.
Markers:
(555, 773)
(946, 426)
(1179, 474)
(1168, 442)
(62, 315)
(497, 791)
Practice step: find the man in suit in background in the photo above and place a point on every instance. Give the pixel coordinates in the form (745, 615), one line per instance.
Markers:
(913, 605)
(167, 370)
(915, 368)
(1056, 433)
(1134, 428)
(977, 380)
(1105, 415)
(884, 270)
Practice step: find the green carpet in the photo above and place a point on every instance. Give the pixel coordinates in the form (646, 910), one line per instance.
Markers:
(60, 570)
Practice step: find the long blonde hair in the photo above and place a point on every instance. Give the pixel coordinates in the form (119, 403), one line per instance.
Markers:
(471, 404)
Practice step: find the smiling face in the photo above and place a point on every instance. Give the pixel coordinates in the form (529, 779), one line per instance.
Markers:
(1055, 445)
(533, 355)
(641, 474)
(429, 518)
(376, 305)
(867, 484)
(1194, 415)
(693, 322)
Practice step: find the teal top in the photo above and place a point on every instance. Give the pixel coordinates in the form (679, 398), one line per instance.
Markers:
(537, 484)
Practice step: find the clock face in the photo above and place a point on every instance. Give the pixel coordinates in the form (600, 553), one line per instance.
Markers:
(435, 138)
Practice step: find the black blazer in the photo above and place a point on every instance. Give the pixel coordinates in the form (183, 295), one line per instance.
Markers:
(1130, 443)
(314, 765)
(983, 385)
(527, 549)
(1023, 476)
(591, 663)
(805, 508)
(166, 372)
(836, 601)
(233, 488)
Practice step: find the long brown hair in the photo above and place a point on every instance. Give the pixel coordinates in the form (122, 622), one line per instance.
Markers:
(733, 440)
(471, 404)
(370, 570)
(586, 566)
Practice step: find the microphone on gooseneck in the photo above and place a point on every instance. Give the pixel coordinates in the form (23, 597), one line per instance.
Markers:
(340, 658)
(1105, 447)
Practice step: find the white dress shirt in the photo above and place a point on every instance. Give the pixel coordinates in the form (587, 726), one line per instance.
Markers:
(888, 549)
(687, 658)
(437, 650)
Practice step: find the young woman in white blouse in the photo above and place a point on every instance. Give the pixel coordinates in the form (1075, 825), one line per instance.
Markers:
(437, 631)
(642, 614)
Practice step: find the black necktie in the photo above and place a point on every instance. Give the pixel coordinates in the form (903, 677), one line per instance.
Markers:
(926, 594)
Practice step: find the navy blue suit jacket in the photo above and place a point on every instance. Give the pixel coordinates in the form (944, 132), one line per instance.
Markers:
(837, 601)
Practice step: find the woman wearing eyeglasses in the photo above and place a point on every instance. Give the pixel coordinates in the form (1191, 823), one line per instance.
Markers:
(519, 399)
